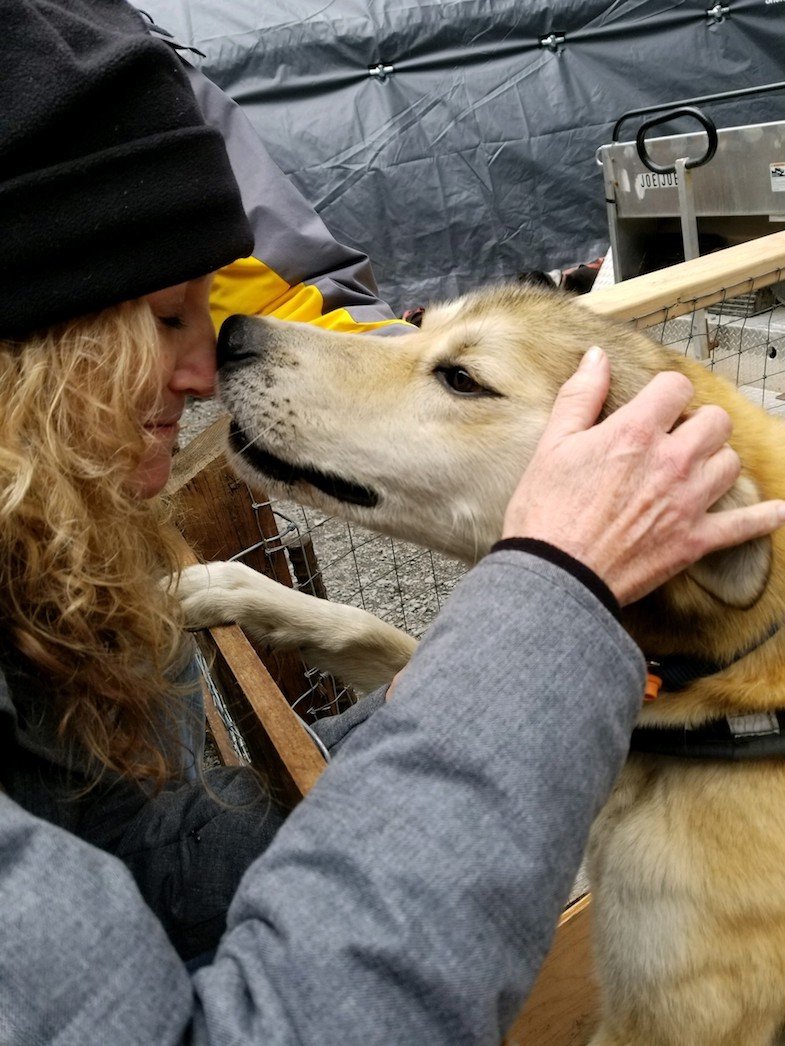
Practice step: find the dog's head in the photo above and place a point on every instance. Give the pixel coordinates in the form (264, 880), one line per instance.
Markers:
(425, 435)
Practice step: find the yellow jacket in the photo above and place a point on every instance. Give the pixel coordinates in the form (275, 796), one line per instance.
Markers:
(298, 271)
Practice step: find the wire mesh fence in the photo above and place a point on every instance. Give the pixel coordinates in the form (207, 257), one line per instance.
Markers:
(741, 338)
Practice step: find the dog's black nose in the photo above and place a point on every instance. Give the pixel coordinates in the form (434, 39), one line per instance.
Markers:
(235, 341)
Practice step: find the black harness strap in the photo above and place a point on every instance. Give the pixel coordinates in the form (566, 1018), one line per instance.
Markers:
(760, 735)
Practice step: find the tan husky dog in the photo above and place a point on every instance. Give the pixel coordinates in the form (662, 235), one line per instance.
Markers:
(424, 437)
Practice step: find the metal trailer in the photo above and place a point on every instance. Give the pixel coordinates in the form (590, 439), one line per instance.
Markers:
(738, 195)
(676, 197)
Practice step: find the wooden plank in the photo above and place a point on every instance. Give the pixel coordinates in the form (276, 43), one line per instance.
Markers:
(203, 449)
(562, 1008)
(278, 741)
(219, 734)
(696, 284)
(279, 744)
(218, 519)
(305, 565)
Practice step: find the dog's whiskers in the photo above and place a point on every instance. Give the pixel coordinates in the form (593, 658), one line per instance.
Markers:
(259, 436)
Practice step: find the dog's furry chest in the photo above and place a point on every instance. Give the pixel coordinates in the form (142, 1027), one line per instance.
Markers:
(686, 860)
(704, 836)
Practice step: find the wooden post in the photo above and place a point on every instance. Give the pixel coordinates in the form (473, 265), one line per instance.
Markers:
(562, 1008)
(309, 579)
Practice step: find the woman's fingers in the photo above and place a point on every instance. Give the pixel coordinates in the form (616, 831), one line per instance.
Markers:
(720, 472)
(704, 431)
(659, 404)
(582, 396)
(735, 526)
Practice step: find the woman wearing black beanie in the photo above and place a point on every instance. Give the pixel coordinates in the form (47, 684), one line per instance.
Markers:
(116, 200)
(116, 203)
(387, 909)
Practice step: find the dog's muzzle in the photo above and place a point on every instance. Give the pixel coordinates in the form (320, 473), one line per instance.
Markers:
(281, 471)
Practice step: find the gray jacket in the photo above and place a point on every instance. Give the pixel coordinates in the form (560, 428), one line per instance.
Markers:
(408, 900)
(187, 846)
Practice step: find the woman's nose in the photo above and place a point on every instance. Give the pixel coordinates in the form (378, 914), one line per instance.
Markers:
(194, 372)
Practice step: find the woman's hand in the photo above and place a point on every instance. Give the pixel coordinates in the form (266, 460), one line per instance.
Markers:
(630, 497)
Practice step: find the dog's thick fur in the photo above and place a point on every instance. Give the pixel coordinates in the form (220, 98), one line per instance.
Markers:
(687, 860)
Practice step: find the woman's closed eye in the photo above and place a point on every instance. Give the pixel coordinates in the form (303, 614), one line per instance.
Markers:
(174, 321)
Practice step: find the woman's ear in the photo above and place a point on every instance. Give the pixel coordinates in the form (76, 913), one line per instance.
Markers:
(736, 576)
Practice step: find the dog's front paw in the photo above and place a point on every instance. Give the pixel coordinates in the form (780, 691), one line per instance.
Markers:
(204, 576)
(209, 593)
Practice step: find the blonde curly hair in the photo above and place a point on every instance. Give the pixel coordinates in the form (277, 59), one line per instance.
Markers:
(80, 556)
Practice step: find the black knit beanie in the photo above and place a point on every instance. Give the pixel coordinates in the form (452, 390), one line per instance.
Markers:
(111, 185)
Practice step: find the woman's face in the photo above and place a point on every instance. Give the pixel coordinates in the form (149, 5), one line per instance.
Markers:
(187, 342)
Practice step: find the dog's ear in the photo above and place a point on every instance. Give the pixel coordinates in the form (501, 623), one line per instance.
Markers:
(736, 576)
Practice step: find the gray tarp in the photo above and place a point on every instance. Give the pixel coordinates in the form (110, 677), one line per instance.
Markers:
(472, 157)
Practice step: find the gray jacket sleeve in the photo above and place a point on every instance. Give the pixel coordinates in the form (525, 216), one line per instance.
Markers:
(412, 896)
(334, 731)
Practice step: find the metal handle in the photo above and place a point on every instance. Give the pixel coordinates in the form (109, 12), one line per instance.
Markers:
(723, 96)
(675, 114)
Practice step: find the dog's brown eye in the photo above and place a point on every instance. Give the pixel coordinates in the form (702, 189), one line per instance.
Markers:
(459, 380)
